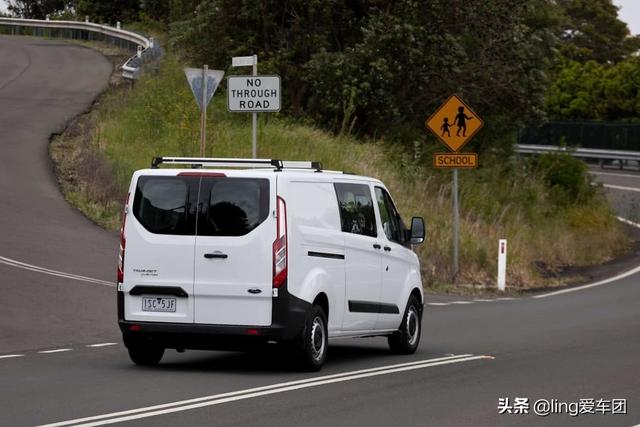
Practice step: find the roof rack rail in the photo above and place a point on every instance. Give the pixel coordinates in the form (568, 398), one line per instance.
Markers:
(198, 162)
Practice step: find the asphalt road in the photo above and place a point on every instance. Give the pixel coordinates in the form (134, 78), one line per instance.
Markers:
(577, 345)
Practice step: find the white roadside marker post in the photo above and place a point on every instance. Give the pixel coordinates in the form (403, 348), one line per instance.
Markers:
(502, 264)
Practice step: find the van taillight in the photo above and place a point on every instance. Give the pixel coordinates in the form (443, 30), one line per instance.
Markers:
(280, 245)
(123, 241)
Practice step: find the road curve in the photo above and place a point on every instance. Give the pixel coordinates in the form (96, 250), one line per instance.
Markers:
(60, 356)
(43, 84)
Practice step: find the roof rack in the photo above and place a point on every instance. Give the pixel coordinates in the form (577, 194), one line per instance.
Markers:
(199, 162)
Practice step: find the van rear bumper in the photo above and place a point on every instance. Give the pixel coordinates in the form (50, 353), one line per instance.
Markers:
(288, 317)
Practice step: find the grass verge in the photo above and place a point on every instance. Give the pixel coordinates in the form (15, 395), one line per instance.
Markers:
(502, 199)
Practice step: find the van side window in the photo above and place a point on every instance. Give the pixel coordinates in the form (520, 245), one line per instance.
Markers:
(390, 218)
(356, 209)
(162, 205)
(233, 206)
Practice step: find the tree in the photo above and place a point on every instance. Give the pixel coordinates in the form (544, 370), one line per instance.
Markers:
(109, 11)
(37, 9)
(592, 31)
(379, 67)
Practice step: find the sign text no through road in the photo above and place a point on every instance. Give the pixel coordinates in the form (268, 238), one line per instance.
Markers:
(253, 94)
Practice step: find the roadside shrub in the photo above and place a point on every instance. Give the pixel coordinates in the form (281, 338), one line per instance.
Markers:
(566, 177)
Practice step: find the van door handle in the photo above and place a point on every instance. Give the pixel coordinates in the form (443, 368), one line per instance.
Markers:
(387, 249)
(218, 255)
(376, 246)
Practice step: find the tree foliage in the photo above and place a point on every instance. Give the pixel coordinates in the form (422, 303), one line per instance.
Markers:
(591, 30)
(598, 75)
(379, 66)
(37, 9)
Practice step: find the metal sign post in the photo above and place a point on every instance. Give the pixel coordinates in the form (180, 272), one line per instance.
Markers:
(203, 83)
(244, 61)
(455, 123)
(456, 225)
(252, 94)
(254, 135)
(203, 112)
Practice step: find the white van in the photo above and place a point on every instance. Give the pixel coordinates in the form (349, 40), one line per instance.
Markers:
(216, 257)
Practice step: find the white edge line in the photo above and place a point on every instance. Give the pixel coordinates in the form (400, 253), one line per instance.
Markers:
(58, 350)
(438, 303)
(620, 187)
(624, 175)
(13, 263)
(103, 344)
(461, 302)
(9, 356)
(252, 390)
(626, 221)
(591, 285)
(219, 399)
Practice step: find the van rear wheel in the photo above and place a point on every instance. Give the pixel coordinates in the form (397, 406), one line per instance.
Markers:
(145, 354)
(312, 343)
(407, 338)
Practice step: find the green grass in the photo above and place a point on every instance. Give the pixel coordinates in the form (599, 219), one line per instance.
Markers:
(502, 199)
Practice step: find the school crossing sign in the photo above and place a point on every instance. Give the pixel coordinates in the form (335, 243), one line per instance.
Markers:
(454, 123)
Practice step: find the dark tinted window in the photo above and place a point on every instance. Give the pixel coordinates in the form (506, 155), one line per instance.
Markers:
(356, 209)
(163, 204)
(389, 217)
(232, 206)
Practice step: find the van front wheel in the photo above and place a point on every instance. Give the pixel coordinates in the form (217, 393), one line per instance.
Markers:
(407, 338)
(145, 354)
(311, 345)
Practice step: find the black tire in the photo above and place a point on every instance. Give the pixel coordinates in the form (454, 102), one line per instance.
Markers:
(312, 343)
(145, 354)
(407, 338)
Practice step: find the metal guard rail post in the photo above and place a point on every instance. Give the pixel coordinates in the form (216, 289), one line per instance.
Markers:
(148, 48)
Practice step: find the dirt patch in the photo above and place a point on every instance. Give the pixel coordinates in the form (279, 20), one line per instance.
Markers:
(84, 173)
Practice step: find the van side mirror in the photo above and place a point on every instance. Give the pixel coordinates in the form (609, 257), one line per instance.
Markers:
(417, 230)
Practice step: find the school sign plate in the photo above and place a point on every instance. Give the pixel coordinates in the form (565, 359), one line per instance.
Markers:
(247, 94)
(454, 123)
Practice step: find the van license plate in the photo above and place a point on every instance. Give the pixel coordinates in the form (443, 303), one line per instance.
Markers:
(159, 304)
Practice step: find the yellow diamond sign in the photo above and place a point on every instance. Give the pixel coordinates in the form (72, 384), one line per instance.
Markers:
(454, 123)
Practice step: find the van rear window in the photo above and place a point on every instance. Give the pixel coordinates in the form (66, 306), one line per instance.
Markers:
(234, 206)
(162, 206)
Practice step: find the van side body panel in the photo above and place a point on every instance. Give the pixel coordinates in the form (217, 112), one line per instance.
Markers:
(316, 245)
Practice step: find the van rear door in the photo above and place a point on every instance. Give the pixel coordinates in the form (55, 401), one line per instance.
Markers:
(160, 242)
(233, 255)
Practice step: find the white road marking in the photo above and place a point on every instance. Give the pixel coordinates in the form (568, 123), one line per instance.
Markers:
(9, 356)
(438, 303)
(217, 399)
(591, 285)
(483, 300)
(461, 302)
(620, 187)
(505, 299)
(104, 344)
(626, 221)
(58, 350)
(625, 175)
(30, 267)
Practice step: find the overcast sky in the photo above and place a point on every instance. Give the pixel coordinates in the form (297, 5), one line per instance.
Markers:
(629, 12)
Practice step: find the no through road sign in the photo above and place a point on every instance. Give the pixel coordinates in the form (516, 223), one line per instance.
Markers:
(253, 93)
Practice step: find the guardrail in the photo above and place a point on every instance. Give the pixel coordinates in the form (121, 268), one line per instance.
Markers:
(584, 153)
(146, 48)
